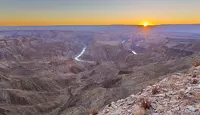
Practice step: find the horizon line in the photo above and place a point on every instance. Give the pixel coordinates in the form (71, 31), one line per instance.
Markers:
(91, 25)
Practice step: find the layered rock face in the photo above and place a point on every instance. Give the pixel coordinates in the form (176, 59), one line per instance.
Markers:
(178, 94)
(40, 74)
(35, 76)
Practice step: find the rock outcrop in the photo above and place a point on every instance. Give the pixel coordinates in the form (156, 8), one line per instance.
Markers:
(178, 94)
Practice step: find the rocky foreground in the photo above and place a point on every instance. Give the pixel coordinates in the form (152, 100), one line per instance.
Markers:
(175, 95)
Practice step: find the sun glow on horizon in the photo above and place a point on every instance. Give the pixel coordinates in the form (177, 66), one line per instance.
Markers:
(145, 24)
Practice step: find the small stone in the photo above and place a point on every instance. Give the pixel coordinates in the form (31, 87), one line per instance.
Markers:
(124, 107)
(176, 109)
(130, 101)
(160, 95)
(198, 105)
(159, 108)
(133, 96)
(198, 77)
(169, 113)
(188, 89)
(129, 110)
(191, 108)
(153, 105)
(107, 110)
(113, 105)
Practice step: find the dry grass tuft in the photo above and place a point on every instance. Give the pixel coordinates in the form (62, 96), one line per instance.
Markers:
(145, 104)
(94, 112)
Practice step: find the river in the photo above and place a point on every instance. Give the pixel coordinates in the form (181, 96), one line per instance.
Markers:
(77, 58)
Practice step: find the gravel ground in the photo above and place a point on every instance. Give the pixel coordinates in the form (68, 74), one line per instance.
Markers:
(177, 95)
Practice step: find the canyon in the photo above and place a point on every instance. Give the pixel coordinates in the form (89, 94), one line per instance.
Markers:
(59, 71)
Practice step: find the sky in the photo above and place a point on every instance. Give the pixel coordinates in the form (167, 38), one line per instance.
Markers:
(98, 12)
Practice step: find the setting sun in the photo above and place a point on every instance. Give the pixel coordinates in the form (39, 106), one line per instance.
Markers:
(145, 24)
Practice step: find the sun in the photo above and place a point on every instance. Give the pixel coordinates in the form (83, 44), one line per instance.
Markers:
(145, 24)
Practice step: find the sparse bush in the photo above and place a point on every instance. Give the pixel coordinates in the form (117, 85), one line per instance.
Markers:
(194, 81)
(194, 76)
(145, 103)
(197, 64)
(196, 61)
(198, 73)
(155, 90)
(94, 112)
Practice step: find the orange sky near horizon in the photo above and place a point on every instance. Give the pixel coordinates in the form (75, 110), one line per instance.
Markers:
(95, 12)
(63, 22)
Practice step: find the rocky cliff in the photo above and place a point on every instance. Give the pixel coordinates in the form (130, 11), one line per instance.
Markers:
(178, 94)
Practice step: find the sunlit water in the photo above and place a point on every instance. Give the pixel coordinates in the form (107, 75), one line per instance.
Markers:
(140, 43)
(123, 41)
(134, 52)
(77, 58)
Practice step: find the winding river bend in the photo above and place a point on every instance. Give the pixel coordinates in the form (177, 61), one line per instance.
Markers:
(77, 58)
(140, 43)
(123, 41)
(132, 50)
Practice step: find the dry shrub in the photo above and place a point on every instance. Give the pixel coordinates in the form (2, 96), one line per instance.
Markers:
(194, 81)
(94, 112)
(155, 90)
(194, 76)
(198, 73)
(145, 104)
(197, 64)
